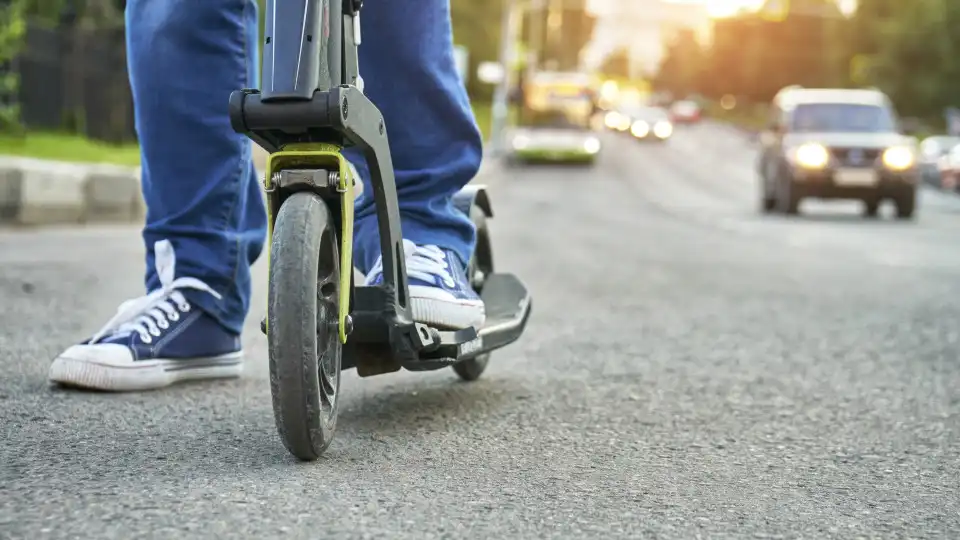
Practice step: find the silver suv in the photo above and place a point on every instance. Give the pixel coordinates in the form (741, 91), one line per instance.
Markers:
(836, 144)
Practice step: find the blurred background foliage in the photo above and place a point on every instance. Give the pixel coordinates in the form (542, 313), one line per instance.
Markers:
(908, 49)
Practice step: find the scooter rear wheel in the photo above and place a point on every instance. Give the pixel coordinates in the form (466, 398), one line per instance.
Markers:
(302, 333)
(481, 265)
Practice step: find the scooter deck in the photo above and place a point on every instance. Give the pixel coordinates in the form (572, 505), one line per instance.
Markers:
(508, 304)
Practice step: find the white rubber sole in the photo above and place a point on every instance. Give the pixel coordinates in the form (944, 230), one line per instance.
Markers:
(440, 309)
(82, 371)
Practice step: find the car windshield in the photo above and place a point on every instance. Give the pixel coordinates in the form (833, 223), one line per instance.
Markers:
(842, 118)
(554, 119)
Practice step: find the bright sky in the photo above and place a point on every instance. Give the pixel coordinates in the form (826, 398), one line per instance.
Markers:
(609, 34)
(718, 8)
(726, 8)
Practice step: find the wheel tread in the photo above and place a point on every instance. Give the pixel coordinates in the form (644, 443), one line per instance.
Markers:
(298, 235)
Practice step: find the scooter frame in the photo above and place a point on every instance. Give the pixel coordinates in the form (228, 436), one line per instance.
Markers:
(312, 106)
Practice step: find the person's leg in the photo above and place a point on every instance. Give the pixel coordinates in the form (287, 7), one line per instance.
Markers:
(205, 215)
(409, 72)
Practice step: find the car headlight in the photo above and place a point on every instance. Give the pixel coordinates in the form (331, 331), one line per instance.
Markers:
(640, 129)
(520, 142)
(612, 120)
(663, 130)
(812, 156)
(591, 145)
(898, 158)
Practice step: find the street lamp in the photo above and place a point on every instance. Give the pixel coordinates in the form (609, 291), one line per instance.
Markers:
(501, 95)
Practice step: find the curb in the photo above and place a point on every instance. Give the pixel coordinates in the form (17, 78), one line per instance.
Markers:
(40, 192)
(37, 192)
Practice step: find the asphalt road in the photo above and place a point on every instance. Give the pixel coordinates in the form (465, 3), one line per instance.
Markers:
(692, 370)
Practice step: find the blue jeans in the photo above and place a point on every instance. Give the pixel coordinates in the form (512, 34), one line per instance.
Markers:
(199, 183)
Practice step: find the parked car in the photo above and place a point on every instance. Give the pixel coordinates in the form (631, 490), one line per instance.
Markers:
(934, 159)
(685, 112)
(949, 169)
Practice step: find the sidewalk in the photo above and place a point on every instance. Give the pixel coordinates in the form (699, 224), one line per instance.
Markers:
(35, 192)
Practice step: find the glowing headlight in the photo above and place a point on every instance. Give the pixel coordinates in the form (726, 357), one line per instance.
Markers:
(898, 158)
(663, 129)
(612, 120)
(640, 129)
(812, 156)
(520, 142)
(591, 145)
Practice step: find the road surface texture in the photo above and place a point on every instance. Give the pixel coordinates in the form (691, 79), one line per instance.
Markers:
(693, 369)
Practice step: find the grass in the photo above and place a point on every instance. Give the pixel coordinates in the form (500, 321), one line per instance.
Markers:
(62, 147)
(74, 148)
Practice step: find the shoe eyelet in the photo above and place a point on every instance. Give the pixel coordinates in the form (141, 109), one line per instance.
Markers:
(154, 333)
(146, 338)
(185, 308)
(163, 324)
(174, 317)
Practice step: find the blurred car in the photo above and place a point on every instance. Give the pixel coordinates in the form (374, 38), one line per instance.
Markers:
(650, 123)
(553, 136)
(685, 112)
(837, 144)
(948, 168)
(935, 162)
(617, 121)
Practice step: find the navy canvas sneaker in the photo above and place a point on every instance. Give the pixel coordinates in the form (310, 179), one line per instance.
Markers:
(153, 341)
(440, 293)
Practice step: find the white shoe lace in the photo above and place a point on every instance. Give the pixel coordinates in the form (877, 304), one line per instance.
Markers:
(427, 263)
(153, 313)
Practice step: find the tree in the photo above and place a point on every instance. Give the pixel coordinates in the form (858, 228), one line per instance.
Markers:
(680, 70)
(564, 44)
(617, 64)
(909, 50)
(915, 61)
(476, 26)
(12, 29)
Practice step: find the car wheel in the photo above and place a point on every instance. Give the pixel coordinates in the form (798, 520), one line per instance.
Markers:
(768, 203)
(788, 200)
(906, 205)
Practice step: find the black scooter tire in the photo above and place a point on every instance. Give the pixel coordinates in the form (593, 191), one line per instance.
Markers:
(302, 333)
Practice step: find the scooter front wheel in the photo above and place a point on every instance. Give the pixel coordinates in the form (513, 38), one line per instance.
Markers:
(304, 346)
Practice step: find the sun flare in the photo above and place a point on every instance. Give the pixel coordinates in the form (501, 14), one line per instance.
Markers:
(728, 8)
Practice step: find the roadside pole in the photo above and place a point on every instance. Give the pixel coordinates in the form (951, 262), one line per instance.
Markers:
(537, 36)
(501, 106)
